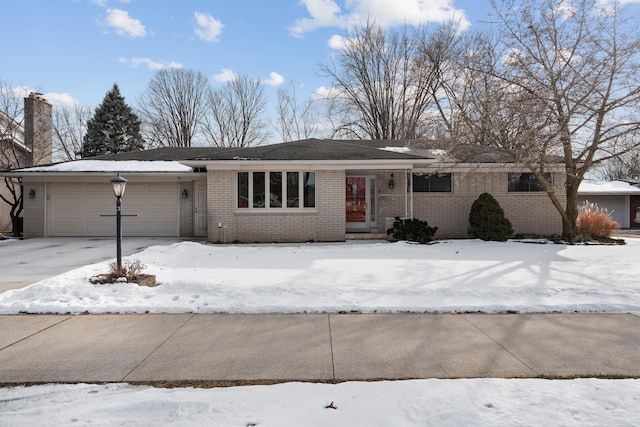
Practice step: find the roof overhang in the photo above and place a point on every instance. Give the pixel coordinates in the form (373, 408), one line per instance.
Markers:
(250, 164)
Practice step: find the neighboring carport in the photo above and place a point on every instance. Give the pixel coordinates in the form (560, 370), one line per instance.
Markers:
(614, 196)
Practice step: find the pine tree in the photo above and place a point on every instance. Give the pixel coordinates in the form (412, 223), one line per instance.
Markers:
(114, 128)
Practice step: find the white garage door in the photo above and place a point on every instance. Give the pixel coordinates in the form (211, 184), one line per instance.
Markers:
(76, 209)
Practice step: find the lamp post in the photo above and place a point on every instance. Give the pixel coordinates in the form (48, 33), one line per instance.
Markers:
(118, 184)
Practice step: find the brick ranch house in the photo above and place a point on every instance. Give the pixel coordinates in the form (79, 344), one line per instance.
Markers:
(310, 190)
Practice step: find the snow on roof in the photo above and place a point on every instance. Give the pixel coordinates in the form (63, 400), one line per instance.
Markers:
(607, 187)
(397, 149)
(112, 166)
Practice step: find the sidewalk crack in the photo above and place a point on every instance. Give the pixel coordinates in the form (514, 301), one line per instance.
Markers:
(157, 348)
(36, 333)
(333, 363)
(499, 344)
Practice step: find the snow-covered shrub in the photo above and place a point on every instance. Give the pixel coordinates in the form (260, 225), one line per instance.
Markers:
(487, 220)
(595, 221)
(413, 230)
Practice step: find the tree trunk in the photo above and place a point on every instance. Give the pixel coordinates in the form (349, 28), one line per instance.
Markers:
(16, 225)
(569, 228)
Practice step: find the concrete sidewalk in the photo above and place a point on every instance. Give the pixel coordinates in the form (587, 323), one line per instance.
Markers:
(323, 347)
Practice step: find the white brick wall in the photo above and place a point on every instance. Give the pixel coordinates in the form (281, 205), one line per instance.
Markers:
(34, 210)
(529, 213)
(324, 223)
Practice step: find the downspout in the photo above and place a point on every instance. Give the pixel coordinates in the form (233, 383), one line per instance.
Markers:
(408, 196)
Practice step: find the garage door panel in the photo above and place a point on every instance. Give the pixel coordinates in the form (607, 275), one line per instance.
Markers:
(77, 209)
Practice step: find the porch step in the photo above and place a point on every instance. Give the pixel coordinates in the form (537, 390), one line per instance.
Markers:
(365, 236)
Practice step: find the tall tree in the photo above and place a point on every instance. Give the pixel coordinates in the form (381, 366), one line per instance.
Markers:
(296, 120)
(69, 128)
(384, 82)
(560, 79)
(114, 127)
(236, 113)
(173, 106)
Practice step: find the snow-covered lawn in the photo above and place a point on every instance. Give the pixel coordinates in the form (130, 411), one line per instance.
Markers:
(447, 276)
(477, 402)
(456, 275)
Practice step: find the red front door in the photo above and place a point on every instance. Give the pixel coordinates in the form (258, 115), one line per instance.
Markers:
(356, 206)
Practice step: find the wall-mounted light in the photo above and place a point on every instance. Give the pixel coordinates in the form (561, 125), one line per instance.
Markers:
(32, 193)
(392, 182)
(185, 193)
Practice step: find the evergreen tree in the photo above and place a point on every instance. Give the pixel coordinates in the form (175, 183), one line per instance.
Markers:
(114, 128)
(487, 220)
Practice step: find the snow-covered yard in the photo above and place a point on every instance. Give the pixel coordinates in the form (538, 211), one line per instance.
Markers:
(478, 402)
(447, 276)
(456, 275)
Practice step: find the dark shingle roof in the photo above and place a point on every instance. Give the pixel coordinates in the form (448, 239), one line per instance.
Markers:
(309, 149)
(160, 154)
(328, 150)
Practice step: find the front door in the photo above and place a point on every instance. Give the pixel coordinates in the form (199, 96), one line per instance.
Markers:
(200, 208)
(360, 203)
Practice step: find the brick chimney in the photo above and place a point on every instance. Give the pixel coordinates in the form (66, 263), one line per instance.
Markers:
(38, 129)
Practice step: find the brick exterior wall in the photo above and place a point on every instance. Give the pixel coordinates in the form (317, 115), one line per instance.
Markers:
(186, 209)
(34, 210)
(529, 212)
(324, 223)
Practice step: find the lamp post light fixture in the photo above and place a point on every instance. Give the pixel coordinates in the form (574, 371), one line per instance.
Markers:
(118, 184)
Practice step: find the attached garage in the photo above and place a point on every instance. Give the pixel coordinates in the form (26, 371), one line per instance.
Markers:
(77, 209)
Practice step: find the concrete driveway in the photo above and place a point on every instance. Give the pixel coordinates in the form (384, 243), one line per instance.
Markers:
(24, 262)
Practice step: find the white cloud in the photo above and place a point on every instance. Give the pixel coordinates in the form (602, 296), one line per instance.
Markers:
(324, 92)
(274, 79)
(149, 63)
(225, 75)
(61, 99)
(208, 28)
(124, 24)
(104, 3)
(337, 42)
(327, 13)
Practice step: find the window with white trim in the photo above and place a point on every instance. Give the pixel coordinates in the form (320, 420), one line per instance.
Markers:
(276, 190)
(527, 182)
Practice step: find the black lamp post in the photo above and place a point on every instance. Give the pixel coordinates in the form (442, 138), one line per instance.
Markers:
(118, 184)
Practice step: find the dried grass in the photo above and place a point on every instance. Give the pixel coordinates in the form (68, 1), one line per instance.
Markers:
(595, 221)
(130, 270)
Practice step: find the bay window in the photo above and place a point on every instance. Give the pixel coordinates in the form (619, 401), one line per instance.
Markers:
(276, 190)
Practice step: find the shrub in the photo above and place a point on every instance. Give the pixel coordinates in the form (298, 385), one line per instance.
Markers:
(487, 220)
(130, 270)
(412, 230)
(595, 221)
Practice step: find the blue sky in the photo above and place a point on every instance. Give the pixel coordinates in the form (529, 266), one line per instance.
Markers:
(74, 50)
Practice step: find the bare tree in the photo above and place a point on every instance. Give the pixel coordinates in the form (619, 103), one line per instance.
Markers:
(172, 107)
(560, 80)
(384, 83)
(12, 155)
(236, 114)
(69, 128)
(296, 120)
(625, 167)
